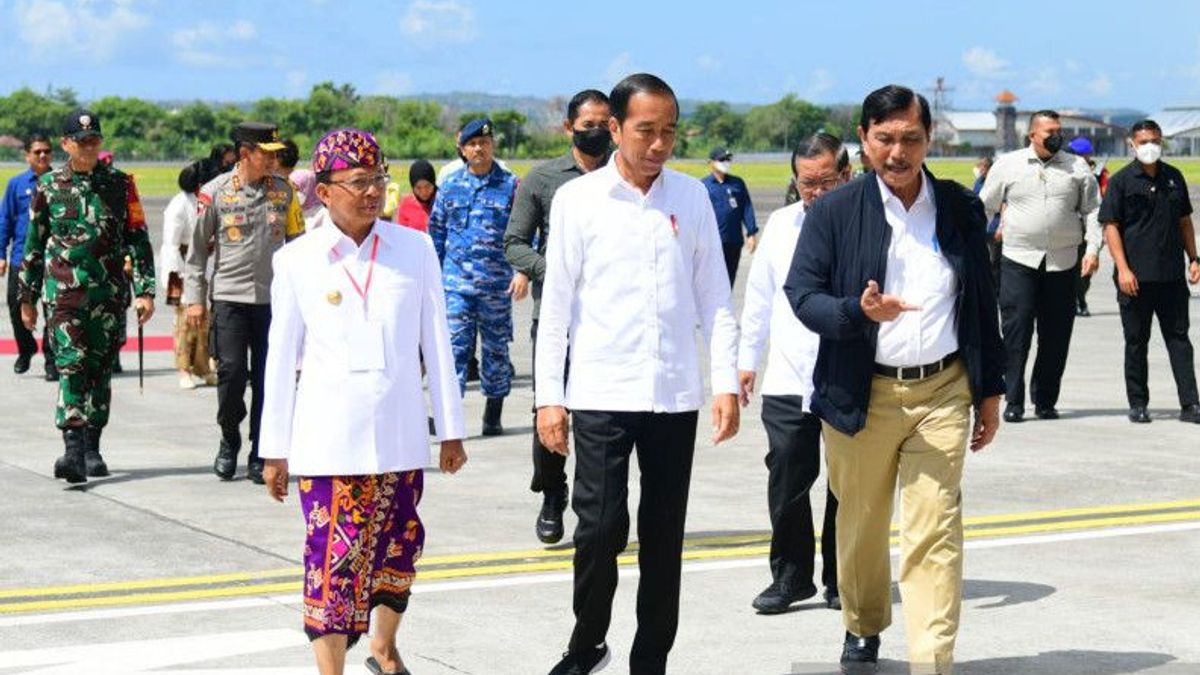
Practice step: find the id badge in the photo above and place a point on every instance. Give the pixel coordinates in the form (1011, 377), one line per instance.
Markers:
(365, 345)
(732, 202)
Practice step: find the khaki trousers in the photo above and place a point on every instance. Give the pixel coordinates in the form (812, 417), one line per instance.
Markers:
(916, 436)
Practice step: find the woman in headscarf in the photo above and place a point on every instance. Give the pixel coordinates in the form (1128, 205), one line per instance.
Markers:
(415, 207)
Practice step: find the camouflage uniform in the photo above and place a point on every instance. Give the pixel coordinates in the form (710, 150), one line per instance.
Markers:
(467, 224)
(80, 230)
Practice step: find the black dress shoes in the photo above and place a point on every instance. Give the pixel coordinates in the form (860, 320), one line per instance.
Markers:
(1138, 415)
(1014, 414)
(21, 365)
(1190, 413)
(254, 471)
(860, 655)
(1046, 413)
(225, 465)
(781, 595)
(549, 526)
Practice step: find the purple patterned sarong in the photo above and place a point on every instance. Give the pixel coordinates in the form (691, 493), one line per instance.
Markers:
(363, 538)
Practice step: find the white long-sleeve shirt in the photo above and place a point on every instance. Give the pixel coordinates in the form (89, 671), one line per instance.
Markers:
(178, 220)
(918, 274)
(357, 406)
(629, 277)
(767, 312)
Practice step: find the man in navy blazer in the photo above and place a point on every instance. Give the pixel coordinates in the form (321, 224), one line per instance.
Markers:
(892, 272)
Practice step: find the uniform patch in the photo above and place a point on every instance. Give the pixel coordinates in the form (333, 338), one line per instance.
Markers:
(233, 233)
(234, 219)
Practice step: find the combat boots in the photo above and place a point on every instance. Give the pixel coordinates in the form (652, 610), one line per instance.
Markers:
(96, 468)
(225, 465)
(491, 417)
(71, 466)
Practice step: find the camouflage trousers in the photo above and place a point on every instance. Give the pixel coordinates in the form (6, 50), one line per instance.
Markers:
(86, 340)
(488, 313)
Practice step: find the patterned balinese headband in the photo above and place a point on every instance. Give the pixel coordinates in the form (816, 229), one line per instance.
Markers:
(346, 149)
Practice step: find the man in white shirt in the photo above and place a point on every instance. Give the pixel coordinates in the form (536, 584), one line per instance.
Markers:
(356, 308)
(633, 266)
(1051, 200)
(891, 271)
(819, 164)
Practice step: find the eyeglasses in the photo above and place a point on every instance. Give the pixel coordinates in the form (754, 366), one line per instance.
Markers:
(364, 183)
(827, 183)
(41, 152)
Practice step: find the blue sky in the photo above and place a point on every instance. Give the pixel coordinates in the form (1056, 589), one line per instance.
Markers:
(1057, 54)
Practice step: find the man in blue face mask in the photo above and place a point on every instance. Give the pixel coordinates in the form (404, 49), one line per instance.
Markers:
(1148, 224)
(587, 124)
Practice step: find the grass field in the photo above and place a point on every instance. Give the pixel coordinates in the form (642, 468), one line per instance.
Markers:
(158, 180)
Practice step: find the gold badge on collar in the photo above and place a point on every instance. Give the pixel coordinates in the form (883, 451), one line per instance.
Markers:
(334, 297)
(234, 233)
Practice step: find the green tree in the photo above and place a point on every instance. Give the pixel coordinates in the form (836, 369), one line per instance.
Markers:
(329, 107)
(782, 124)
(510, 128)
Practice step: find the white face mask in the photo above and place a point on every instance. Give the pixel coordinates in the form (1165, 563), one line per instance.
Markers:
(1148, 153)
(723, 167)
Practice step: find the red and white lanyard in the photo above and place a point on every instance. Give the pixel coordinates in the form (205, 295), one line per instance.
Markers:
(366, 287)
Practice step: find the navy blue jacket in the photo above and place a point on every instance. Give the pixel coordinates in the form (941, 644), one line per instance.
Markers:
(844, 245)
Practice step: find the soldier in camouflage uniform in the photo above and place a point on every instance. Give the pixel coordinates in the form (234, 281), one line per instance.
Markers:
(467, 224)
(85, 219)
(245, 215)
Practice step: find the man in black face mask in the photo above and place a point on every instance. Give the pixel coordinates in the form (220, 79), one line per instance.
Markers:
(587, 124)
(1051, 202)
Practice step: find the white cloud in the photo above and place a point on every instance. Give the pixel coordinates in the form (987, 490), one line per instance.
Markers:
(51, 28)
(1101, 85)
(618, 68)
(205, 44)
(983, 62)
(820, 82)
(393, 83)
(439, 22)
(1045, 80)
(708, 62)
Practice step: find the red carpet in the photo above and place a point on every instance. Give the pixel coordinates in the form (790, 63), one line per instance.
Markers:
(154, 343)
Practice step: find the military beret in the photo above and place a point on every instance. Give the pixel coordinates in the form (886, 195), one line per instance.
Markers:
(479, 127)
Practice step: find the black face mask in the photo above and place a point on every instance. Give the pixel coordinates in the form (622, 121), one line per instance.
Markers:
(1053, 143)
(592, 142)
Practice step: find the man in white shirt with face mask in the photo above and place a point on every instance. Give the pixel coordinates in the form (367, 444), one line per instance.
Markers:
(633, 266)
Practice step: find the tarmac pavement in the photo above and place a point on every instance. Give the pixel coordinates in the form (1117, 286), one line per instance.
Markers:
(1082, 539)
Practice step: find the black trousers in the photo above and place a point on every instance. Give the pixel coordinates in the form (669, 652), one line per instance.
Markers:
(665, 444)
(1082, 283)
(995, 255)
(1028, 298)
(549, 468)
(733, 256)
(793, 464)
(1169, 302)
(239, 332)
(26, 344)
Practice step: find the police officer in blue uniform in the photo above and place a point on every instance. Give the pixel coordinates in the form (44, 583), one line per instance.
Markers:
(467, 224)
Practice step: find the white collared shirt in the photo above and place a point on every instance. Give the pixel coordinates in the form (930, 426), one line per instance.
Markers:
(918, 274)
(1049, 207)
(767, 312)
(629, 278)
(179, 217)
(342, 419)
